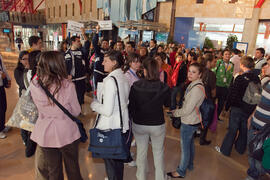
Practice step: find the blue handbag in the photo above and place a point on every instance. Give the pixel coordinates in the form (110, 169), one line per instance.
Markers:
(111, 143)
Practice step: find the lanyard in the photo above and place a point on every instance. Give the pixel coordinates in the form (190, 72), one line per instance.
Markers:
(226, 68)
(134, 74)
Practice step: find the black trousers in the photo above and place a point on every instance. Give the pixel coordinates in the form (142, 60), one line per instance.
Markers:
(3, 107)
(80, 89)
(114, 169)
(222, 93)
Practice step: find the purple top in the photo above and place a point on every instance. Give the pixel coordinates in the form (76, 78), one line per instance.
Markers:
(54, 128)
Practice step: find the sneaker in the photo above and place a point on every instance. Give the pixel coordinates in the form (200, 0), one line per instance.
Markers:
(106, 178)
(131, 164)
(249, 178)
(7, 128)
(2, 135)
(217, 148)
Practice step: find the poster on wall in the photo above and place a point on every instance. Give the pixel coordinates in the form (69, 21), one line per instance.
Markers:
(162, 37)
(242, 46)
(147, 36)
(74, 27)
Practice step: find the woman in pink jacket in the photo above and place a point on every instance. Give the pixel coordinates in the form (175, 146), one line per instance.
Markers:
(55, 133)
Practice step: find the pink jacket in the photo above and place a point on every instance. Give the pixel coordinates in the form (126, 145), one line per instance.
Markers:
(54, 128)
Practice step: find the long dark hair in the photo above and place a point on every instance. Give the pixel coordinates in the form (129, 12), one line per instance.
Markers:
(51, 70)
(152, 68)
(132, 57)
(33, 60)
(19, 64)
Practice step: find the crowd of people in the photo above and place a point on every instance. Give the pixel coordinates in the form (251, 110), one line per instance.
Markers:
(150, 79)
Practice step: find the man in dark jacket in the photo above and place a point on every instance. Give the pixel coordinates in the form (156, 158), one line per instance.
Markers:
(240, 110)
(76, 67)
(152, 48)
(99, 73)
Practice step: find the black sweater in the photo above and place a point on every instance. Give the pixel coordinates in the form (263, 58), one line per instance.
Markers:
(146, 100)
(237, 91)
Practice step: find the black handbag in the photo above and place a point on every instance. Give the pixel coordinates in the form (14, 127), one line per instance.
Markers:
(176, 122)
(111, 143)
(84, 136)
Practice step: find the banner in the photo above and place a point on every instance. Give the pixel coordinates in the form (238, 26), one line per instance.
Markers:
(74, 27)
(105, 25)
(242, 46)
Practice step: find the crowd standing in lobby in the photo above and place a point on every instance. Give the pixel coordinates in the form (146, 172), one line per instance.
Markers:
(133, 86)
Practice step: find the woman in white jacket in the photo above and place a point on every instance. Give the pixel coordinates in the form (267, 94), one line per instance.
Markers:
(106, 105)
(190, 118)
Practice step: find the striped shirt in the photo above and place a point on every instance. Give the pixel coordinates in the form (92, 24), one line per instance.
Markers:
(262, 113)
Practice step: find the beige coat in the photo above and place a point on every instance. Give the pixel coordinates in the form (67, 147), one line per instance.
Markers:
(192, 102)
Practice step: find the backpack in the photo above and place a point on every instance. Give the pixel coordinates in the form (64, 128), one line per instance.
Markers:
(207, 110)
(252, 93)
(256, 144)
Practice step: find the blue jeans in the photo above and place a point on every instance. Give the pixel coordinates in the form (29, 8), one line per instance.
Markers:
(187, 148)
(238, 122)
(255, 167)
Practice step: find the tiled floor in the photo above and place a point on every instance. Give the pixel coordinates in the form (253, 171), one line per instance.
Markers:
(209, 165)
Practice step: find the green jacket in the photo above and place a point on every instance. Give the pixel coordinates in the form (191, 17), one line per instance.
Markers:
(224, 76)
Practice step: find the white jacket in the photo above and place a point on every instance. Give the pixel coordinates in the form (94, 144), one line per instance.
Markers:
(109, 109)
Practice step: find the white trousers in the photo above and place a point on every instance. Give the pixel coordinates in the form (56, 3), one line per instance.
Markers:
(157, 135)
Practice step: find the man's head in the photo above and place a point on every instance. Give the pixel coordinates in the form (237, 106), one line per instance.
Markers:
(130, 47)
(35, 43)
(105, 44)
(236, 52)
(153, 43)
(75, 42)
(119, 46)
(259, 53)
(247, 63)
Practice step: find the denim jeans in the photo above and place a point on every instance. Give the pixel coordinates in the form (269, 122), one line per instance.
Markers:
(175, 91)
(187, 148)
(222, 93)
(238, 122)
(255, 167)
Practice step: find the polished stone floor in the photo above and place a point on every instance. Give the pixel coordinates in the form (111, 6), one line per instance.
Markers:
(209, 164)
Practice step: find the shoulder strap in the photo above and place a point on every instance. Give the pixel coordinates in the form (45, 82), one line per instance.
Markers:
(194, 86)
(119, 103)
(57, 103)
(73, 63)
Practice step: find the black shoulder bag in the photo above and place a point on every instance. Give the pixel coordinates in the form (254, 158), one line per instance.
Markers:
(84, 136)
